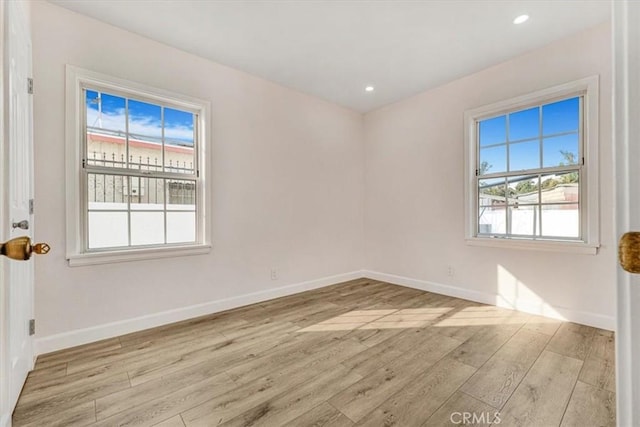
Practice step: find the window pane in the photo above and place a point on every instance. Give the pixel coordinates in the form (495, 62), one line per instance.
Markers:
(560, 150)
(179, 138)
(147, 228)
(558, 188)
(145, 193)
(181, 195)
(524, 155)
(107, 221)
(523, 189)
(562, 116)
(524, 220)
(105, 129)
(524, 124)
(492, 220)
(561, 220)
(105, 111)
(491, 192)
(493, 131)
(107, 229)
(147, 210)
(493, 159)
(106, 192)
(145, 135)
(181, 227)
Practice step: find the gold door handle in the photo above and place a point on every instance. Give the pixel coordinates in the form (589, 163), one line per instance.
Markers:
(21, 248)
(629, 252)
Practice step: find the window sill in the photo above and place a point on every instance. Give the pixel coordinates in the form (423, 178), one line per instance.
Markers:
(109, 257)
(535, 245)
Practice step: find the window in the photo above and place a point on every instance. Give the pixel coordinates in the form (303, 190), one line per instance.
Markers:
(532, 170)
(136, 171)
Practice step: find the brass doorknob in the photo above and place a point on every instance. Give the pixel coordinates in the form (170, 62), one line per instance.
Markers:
(629, 252)
(21, 248)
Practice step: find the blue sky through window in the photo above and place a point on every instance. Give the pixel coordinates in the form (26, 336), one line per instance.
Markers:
(527, 146)
(145, 119)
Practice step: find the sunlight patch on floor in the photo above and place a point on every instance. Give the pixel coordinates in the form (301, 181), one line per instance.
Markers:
(380, 319)
(484, 315)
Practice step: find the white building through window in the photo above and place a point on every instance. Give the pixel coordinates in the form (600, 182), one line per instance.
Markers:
(532, 170)
(136, 171)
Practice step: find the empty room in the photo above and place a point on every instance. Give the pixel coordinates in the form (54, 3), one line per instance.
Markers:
(319, 213)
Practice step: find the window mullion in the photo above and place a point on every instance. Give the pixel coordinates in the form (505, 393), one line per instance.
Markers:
(164, 181)
(518, 141)
(128, 177)
(84, 184)
(544, 171)
(508, 222)
(540, 132)
(540, 202)
(139, 173)
(197, 185)
(581, 155)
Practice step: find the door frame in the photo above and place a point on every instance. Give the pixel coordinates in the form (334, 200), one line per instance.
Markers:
(626, 67)
(5, 411)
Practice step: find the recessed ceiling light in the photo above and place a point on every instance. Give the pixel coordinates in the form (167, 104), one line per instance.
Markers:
(521, 19)
(369, 88)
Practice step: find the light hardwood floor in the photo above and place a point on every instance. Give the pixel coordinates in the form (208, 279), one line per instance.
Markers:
(358, 353)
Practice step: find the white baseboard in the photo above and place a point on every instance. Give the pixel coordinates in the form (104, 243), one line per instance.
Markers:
(95, 333)
(527, 306)
(109, 330)
(4, 421)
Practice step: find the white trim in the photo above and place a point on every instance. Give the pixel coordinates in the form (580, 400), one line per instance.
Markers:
(109, 330)
(587, 87)
(76, 78)
(527, 306)
(5, 410)
(626, 110)
(108, 257)
(95, 333)
(534, 245)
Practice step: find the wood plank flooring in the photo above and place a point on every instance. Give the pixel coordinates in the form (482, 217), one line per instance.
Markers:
(358, 353)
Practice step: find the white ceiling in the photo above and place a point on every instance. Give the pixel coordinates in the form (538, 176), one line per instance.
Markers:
(333, 49)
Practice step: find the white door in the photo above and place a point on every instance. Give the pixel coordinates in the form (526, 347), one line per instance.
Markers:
(17, 193)
(626, 16)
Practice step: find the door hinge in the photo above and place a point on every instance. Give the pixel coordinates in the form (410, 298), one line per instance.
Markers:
(30, 206)
(30, 86)
(32, 326)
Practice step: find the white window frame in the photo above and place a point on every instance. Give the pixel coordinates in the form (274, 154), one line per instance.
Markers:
(76, 80)
(589, 176)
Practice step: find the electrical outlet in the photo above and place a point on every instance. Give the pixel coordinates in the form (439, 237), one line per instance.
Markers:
(274, 274)
(450, 271)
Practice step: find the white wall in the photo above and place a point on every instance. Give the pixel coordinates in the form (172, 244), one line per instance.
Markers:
(414, 204)
(287, 184)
